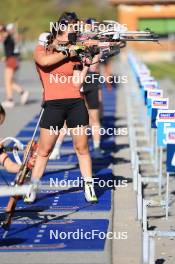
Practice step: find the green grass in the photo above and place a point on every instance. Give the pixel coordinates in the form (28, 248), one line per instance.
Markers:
(162, 70)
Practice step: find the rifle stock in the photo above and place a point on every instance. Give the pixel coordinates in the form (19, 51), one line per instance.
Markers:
(20, 179)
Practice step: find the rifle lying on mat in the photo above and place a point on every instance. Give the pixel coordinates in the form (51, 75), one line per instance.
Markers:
(20, 178)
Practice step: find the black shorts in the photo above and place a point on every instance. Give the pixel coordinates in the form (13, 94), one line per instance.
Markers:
(91, 82)
(92, 99)
(90, 90)
(73, 111)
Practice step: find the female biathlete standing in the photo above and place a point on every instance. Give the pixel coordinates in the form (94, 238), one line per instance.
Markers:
(63, 102)
(93, 97)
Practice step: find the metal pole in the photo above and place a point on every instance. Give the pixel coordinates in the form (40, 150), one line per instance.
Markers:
(144, 217)
(139, 198)
(151, 250)
(14, 190)
(152, 143)
(167, 194)
(145, 247)
(135, 173)
(156, 153)
(160, 170)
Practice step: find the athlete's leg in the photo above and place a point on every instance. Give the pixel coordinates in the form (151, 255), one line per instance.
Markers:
(17, 88)
(45, 146)
(24, 94)
(100, 98)
(92, 100)
(8, 164)
(94, 121)
(80, 143)
(9, 72)
(57, 149)
(107, 71)
(78, 124)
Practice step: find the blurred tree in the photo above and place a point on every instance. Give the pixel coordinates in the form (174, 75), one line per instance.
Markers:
(91, 8)
(35, 15)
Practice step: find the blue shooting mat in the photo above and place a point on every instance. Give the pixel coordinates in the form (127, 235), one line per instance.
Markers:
(6, 177)
(108, 139)
(98, 164)
(109, 98)
(104, 162)
(170, 159)
(70, 159)
(100, 173)
(161, 135)
(31, 124)
(72, 174)
(108, 113)
(108, 122)
(110, 106)
(65, 200)
(153, 117)
(27, 133)
(106, 156)
(55, 235)
(68, 143)
(10, 177)
(71, 199)
(107, 143)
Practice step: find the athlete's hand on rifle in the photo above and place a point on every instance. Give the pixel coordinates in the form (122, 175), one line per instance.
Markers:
(68, 49)
(72, 51)
(87, 59)
(94, 50)
(89, 54)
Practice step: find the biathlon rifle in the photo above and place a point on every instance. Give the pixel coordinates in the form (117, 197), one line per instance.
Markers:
(109, 41)
(20, 179)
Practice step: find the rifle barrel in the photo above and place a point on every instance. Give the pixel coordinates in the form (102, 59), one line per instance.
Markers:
(141, 39)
